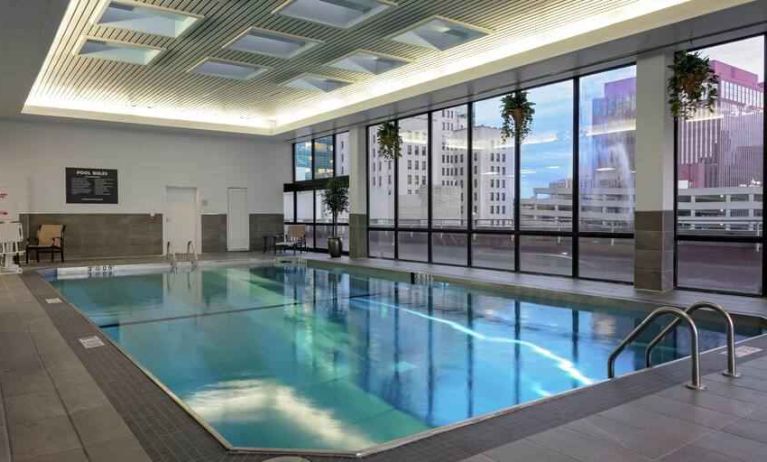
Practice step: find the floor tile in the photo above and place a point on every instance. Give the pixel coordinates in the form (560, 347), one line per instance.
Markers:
(32, 407)
(42, 437)
(525, 451)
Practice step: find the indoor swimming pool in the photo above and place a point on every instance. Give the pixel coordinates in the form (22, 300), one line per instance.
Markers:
(290, 357)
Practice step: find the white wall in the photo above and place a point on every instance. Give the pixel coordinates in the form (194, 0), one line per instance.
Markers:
(34, 154)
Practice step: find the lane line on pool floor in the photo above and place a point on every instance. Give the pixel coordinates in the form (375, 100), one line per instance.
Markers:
(216, 313)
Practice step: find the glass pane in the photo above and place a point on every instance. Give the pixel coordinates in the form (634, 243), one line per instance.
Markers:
(342, 154)
(322, 235)
(606, 258)
(323, 214)
(381, 244)
(728, 266)
(413, 246)
(607, 140)
(381, 186)
(323, 157)
(493, 251)
(720, 154)
(547, 160)
(546, 254)
(288, 207)
(302, 154)
(450, 248)
(305, 207)
(492, 171)
(449, 164)
(413, 192)
(310, 236)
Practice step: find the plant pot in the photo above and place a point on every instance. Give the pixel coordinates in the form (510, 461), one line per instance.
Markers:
(335, 247)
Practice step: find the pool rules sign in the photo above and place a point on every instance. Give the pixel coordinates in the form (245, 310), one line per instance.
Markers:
(91, 186)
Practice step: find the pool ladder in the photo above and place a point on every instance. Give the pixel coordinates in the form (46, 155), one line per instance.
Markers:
(686, 317)
(191, 254)
(426, 279)
(171, 257)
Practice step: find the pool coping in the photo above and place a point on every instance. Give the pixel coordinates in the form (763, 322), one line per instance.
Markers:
(377, 450)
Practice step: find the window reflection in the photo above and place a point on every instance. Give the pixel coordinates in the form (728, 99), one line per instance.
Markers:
(546, 169)
(492, 171)
(606, 150)
(449, 143)
(380, 185)
(323, 153)
(302, 155)
(413, 196)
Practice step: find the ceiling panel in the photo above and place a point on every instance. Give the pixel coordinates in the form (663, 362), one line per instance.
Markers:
(165, 89)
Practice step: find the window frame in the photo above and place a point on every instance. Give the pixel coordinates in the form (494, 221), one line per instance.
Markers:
(681, 237)
(575, 234)
(314, 185)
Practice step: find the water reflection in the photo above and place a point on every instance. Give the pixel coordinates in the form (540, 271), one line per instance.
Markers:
(299, 358)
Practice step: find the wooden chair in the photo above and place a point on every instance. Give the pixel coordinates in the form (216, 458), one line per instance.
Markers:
(295, 239)
(48, 239)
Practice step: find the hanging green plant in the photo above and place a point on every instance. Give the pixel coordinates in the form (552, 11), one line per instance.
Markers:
(693, 85)
(389, 141)
(517, 114)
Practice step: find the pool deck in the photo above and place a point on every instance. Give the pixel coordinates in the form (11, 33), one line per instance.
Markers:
(62, 402)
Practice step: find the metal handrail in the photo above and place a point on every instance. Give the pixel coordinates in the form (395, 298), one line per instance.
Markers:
(695, 382)
(191, 253)
(729, 324)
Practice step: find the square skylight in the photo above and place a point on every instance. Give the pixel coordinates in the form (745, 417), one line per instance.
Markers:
(138, 17)
(270, 43)
(368, 62)
(439, 34)
(316, 82)
(228, 69)
(336, 13)
(118, 51)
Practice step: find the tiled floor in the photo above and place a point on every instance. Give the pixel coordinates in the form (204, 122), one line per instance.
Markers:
(65, 403)
(54, 411)
(727, 422)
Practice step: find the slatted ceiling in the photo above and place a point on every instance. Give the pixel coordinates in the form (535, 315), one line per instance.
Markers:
(166, 82)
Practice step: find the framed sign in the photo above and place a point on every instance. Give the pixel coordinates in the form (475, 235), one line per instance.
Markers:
(91, 186)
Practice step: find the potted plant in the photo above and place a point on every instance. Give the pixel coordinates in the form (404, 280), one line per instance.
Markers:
(693, 85)
(517, 114)
(389, 141)
(336, 201)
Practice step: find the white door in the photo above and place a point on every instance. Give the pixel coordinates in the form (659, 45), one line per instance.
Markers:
(237, 220)
(182, 220)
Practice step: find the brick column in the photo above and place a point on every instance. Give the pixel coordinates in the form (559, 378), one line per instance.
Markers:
(358, 219)
(654, 214)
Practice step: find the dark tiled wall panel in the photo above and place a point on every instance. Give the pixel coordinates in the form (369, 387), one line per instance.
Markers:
(97, 235)
(103, 234)
(263, 224)
(214, 233)
(654, 253)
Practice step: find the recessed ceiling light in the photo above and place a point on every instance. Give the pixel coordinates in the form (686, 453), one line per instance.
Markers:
(117, 51)
(270, 43)
(336, 13)
(138, 17)
(316, 82)
(227, 69)
(368, 62)
(439, 33)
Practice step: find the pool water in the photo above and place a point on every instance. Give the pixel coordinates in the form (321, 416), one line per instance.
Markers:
(300, 358)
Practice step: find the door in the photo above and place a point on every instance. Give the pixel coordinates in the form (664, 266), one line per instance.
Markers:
(237, 220)
(182, 220)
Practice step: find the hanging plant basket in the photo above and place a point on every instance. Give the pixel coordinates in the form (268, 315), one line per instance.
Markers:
(389, 141)
(517, 114)
(693, 85)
